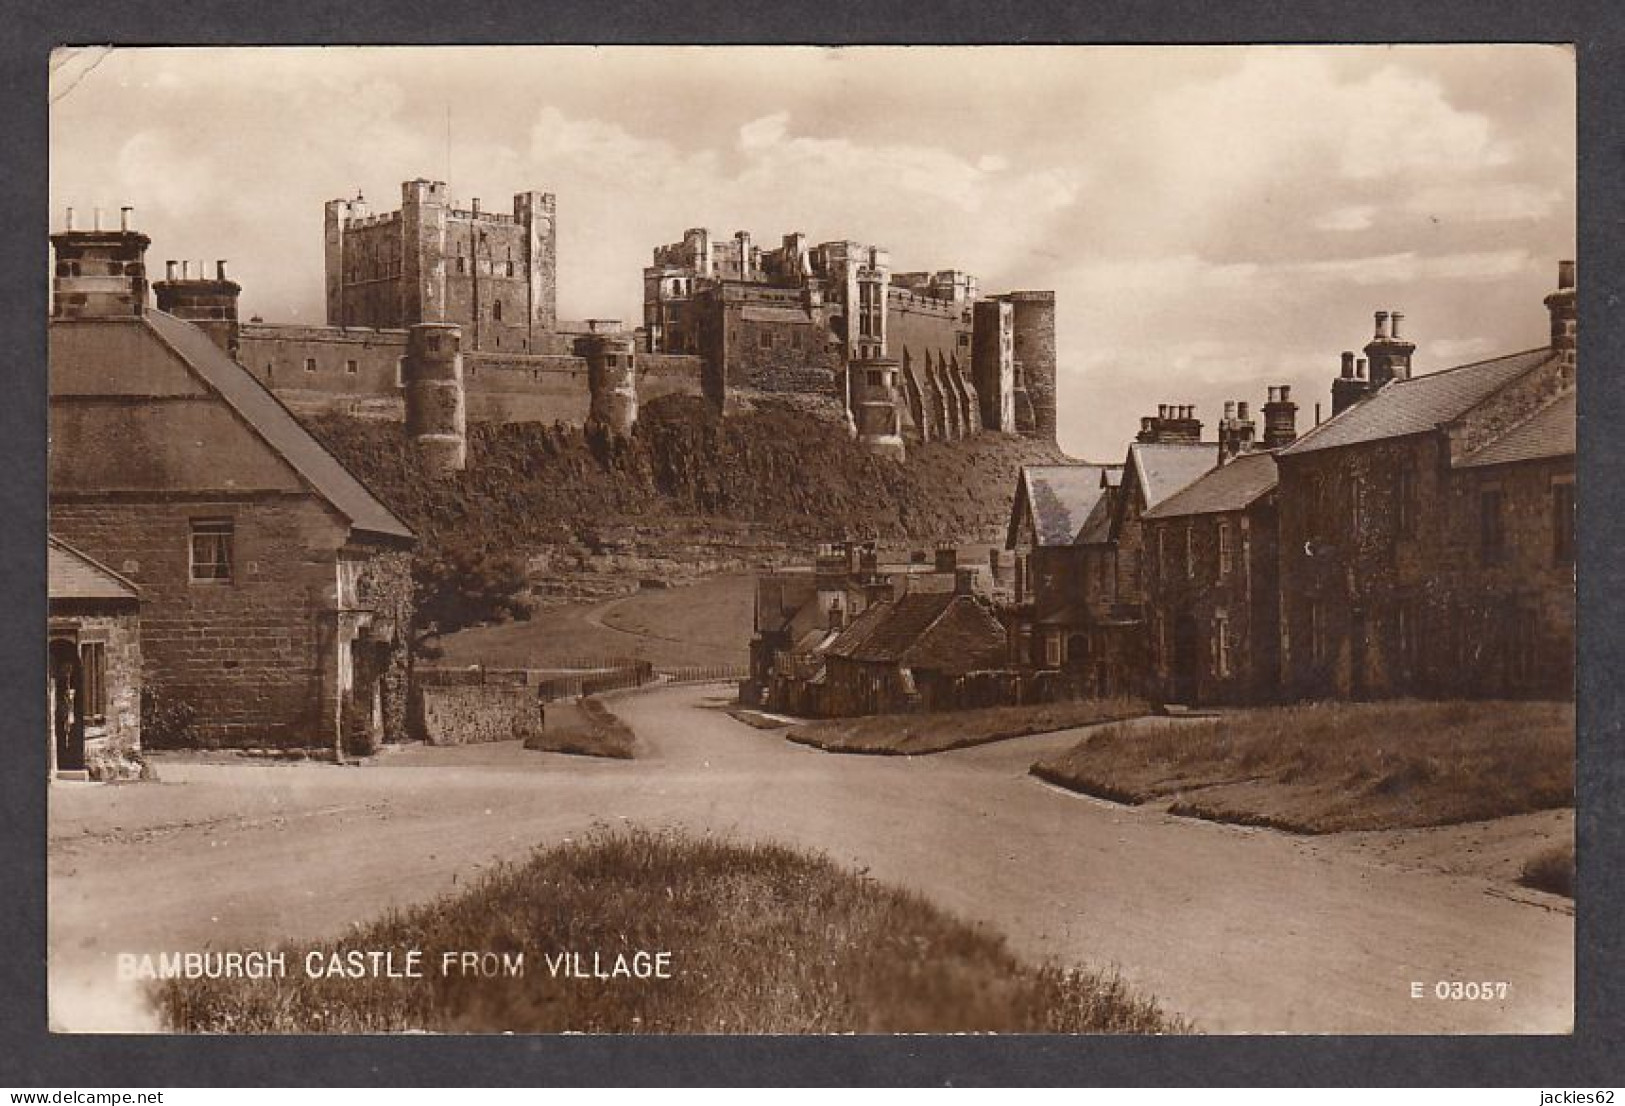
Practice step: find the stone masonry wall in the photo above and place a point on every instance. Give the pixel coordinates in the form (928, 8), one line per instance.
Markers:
(254, 656)
(465, 715)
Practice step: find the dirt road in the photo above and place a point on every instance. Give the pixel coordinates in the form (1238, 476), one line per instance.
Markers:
(1241, 930)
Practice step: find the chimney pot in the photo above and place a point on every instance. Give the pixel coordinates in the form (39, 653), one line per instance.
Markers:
(1395, 319)
(476, 205)
(70, 219)
(169, 270)
(1162, 410)
(186, 270)
(1359, 368)
(220, 269)
(1229, 408)
(1382, 324)
(1348, 363)
(1286, 392)
(124, 214)
(1565, 273)
(1242, 410)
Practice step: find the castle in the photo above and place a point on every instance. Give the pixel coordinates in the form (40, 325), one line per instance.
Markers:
(918, 355)
(438, 315)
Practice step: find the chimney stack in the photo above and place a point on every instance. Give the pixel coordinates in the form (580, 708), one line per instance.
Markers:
(209, 305)
(947, 558)
(1280, 418)
(1388, 353)
(99, 274)
(1564, 307)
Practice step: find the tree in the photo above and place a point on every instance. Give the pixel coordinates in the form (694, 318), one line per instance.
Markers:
(466, 585)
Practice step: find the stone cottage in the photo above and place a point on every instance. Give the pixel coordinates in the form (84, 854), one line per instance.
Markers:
(93, 667)
(275, 586)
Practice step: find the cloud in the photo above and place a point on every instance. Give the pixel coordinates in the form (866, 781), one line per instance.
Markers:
(1354, 217)
(1485, 202)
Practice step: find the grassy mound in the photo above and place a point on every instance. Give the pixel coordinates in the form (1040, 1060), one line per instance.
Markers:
(762, 939)
(913, 734)
(585, 727)
(1328, 767)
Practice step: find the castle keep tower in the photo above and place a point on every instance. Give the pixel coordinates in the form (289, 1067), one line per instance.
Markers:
(612, 380)
(872, 396)
(100, 274)
(491, 273)
(210, 305)
(432, 376)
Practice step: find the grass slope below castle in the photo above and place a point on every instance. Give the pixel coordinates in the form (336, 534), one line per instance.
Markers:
(777, 469)
(760, 938)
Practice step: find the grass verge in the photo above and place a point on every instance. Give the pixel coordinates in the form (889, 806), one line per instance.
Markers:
(1328, 767)
(585, 727)
(762, 939)
(936, 732)
(1551, 870)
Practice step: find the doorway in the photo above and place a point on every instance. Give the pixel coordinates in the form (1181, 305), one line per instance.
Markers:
(67, 690)
(1187, 659)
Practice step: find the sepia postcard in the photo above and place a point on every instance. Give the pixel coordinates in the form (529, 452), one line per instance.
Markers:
(809, 540)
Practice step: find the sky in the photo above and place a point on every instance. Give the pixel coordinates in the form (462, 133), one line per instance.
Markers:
(1213, 220)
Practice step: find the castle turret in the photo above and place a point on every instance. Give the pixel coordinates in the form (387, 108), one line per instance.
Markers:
(334, 216)
(873, 400)
(1033, 324)
(424, 210)
(432, 375)
(611, 380)
(100, 274)
(209, 304)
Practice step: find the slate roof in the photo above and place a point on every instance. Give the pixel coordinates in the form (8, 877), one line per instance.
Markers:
(934, 630)
(1549, 432)
(277, 425)
(1231, 487)
(72, 575)
(1061, 498)
(1165, 467)
(1097, 528)
(1420, 403)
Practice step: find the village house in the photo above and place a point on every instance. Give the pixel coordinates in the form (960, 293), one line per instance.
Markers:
(1210, 583)
(921, 651)
(93, 667)
(275, 587)
(1427, 529)
(1063, 618)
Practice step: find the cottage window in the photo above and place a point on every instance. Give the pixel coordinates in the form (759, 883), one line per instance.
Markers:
(1190, 550)
(211, 550)
(1224, 549)
(1405, 514)
(1563, 523)
(876, 378)
(1162, 552)
(1491, 530)
(93, 661)
(1357, 507)
(1221, 645)
(1052, 649)
(765, 339)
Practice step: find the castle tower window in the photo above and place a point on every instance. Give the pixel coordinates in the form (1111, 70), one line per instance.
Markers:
(310, 364)
(496, 308)
(351, 367)
(211, 550)
(462, 264)
(765, 340)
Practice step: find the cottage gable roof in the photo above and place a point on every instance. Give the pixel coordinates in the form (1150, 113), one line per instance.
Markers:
(780, 598)
(70, 574)
(1234, 486)
(1162, 468)
(1059, 499)
(942, 631)
(1549, 432)
(1419, 404)
(1097, 528)
(255, 404)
